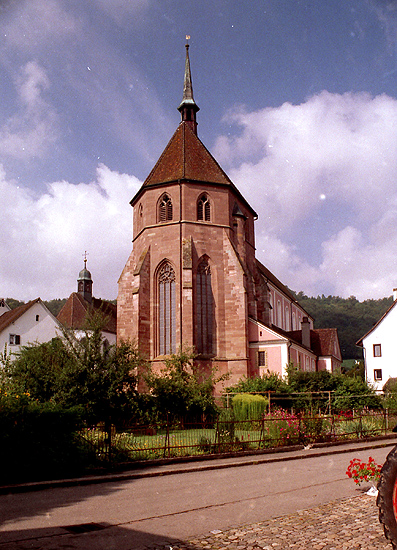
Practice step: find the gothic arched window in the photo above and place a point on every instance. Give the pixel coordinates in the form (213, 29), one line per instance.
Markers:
(204, 310)
(165, 208)
(167, 311)
(204, 209)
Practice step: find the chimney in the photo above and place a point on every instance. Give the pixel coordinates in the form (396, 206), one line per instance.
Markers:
(394, 294)
(305, 332)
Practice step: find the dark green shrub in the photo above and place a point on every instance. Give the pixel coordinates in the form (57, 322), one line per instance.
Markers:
(39, 441)
(205, 445)
(354, 394)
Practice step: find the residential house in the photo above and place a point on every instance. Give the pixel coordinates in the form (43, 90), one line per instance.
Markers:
(29, 323)
(379, 350)
(3, 306)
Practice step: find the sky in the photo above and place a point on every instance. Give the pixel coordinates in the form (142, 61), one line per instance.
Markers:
(298, 104)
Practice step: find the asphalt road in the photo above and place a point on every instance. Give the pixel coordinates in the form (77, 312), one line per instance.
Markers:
(146, 511)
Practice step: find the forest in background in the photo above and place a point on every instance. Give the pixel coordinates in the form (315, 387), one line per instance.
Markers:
(351, 317)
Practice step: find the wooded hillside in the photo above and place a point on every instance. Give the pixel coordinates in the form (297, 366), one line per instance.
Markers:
(351, 317)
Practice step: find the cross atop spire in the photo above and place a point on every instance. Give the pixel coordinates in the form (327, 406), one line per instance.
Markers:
(188, 107)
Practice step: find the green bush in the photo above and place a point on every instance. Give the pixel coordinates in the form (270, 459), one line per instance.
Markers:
(180, 390)
(39, 441)
(248, 407)
(261, 384)
(390, 398)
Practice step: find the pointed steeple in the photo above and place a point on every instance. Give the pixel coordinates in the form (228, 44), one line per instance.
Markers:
(188, 108)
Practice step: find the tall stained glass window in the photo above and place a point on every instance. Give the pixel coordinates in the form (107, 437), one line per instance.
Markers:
(167, 313)
(204, 310)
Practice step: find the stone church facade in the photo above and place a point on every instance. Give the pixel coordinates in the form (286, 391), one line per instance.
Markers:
(192, 278)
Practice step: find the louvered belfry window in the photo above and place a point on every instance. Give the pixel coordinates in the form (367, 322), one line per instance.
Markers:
(204, 310)
(204, 209)
(167, 312)
(165, 209)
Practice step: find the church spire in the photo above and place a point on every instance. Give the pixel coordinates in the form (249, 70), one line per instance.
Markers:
(188, 108)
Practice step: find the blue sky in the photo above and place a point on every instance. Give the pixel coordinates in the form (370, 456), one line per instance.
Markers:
(298, 103)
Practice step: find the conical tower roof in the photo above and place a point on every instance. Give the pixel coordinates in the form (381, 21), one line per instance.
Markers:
(185, 157)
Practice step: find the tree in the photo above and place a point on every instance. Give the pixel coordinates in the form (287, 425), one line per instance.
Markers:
(351, 317)
(180, 389)
(270, 381)
(101, 378)
(37, 369)
(69, 372)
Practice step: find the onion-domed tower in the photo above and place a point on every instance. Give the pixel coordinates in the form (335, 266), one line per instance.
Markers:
(84, 283)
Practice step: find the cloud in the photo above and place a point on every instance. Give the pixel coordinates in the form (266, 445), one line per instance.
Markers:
(386, 11)
(124, 12)
(318, 173)
(93, 87)
(358, 266)
(33, 129)
(44, 238)
(34, 22)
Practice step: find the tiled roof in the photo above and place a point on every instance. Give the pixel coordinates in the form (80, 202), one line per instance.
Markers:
(11, 316)
(186, 158)
(74, 312)
(273, 279)
(322, 340)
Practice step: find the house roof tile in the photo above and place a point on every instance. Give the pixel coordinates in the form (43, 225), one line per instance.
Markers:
(74, 313)
(186, 158)
(322, 341)
(11, 316)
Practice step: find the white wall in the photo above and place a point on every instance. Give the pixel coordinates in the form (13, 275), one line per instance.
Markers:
(385, 335)
(30, 330)
(3, 307)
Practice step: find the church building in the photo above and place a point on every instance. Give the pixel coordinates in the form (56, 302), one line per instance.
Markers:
(82, 304)
(192, 278)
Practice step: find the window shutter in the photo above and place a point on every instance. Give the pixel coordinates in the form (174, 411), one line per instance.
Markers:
(207, 211)
(200, 210)
(165, 209)
(169, 210)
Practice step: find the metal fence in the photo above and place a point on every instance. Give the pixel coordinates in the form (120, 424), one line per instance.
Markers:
(273, 430)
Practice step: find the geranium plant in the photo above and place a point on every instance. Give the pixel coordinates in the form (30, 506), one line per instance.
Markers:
(360, 471)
